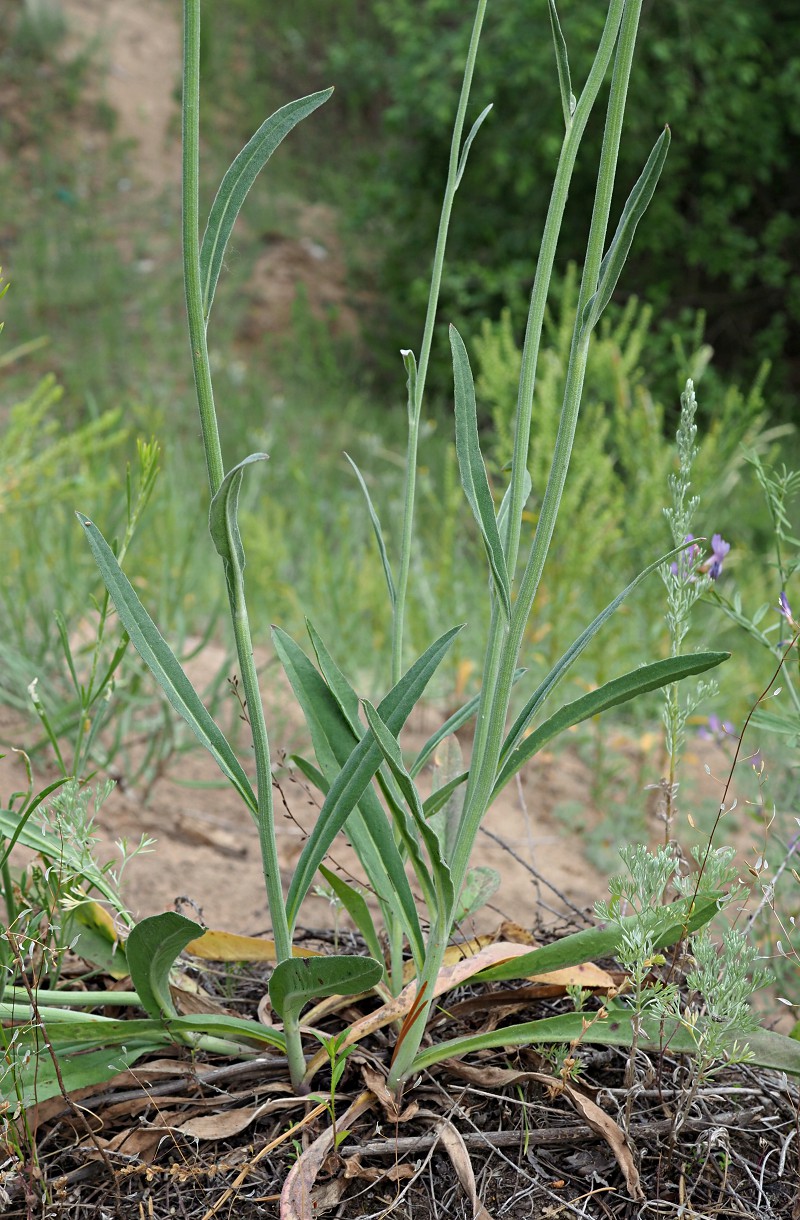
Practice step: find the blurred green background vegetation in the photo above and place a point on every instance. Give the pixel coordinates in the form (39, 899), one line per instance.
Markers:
(712, 292)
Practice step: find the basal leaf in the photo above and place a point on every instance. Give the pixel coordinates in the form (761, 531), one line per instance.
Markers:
(378, 531)
(353, 902)
(296, 982)
(152, 949)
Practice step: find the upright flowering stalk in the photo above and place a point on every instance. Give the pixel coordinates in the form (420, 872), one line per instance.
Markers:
(686, 580)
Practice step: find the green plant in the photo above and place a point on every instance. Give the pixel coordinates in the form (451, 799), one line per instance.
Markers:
(390, 825)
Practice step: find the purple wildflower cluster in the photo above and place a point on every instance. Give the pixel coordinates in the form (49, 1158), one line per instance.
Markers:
(686, 565)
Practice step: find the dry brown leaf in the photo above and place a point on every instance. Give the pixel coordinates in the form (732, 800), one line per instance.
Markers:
(230, 1122)
(296, 1193)
(215, 946)
(456, 1149)
(376, 1081)
(455, 953)
(196, 1001)
(509, 930)
(374, 1173)
(604, 1126)
(600, 1122)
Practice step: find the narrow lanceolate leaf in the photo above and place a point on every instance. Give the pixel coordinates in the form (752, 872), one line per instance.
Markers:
(634, 210)
(223, 518)
(562, 666)
(349, 786)
(164, 665)
(237, 182)
(568, 102)
(680, 919)
(451, 725)
(391, 751)
(336, 682)
(620, 690)
(476, 126)
(503, 517)
(769, 1050)
(410, 362)
(152, 949)
(376, 526)
(334, 739)
(294, 983)
(473, 471)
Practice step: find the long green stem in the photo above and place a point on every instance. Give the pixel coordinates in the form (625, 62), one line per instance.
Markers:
(213, 452)
(504, 644)
(415, 408)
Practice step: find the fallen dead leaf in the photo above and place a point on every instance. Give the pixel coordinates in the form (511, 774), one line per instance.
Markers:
(216, 946)
(456, 1149)
(296, 1203)
(374, 1173)
(230, 1122)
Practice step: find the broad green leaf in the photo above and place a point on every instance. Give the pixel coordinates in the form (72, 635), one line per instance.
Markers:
(334, 740)
(451, 725)
(617, 253)
(568, 101)
(770, 1050)
(74, 1031)
(152, 948)
(350, 784)
(391, 751)
(296, 982)
(620, 690)
(353, 902)
(564, 663)
(223, 520)
(473, 471)
(592, 944)
(378, 531)
(164, 665)
(238, 179)
(467, 145)
(480, 884)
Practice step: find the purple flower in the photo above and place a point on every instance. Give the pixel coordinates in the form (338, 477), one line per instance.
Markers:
(785, 608)
(719, 549)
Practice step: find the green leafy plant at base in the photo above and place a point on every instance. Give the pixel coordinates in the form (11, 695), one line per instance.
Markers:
(371, 790)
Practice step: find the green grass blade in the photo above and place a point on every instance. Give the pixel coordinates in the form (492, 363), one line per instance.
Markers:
(593, 944)
(223, 523)
(152, 948)
(473, 470)
(348, 787)
(376, 526)
(620, 690)
(568, 102)
(238, 179)
(632, 213)
(164, 665)
(562, 666)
